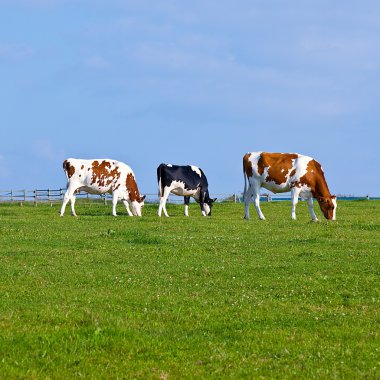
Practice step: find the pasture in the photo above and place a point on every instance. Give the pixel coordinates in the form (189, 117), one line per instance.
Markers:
(181, 298)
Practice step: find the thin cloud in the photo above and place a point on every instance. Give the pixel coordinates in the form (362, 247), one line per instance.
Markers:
(44, 149)
(349, 51)
(15, 52)
(98, 63)
(34, 3)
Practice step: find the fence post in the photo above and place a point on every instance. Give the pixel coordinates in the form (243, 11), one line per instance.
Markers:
(49, 200)
(35, 197)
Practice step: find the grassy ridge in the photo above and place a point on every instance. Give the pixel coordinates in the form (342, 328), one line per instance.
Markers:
(220, 297)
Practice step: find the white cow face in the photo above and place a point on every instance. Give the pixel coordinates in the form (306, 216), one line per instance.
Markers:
(328, 206)
(207, 207)
(333, 198)
(137, 206)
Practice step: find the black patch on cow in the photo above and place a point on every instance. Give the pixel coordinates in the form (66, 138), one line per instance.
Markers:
(191, 179)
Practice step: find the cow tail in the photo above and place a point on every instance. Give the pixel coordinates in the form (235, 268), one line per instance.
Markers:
(160, 191)
(245, 181)
(66, 167)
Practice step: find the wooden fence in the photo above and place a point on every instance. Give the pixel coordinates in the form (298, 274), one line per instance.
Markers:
(35, 196)
(56, 195)
(51, 196)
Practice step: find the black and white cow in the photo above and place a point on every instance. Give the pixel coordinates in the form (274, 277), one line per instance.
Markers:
(187, 181)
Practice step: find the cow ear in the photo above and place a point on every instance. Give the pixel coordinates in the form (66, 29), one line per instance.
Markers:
(142, 198)
(214, 200)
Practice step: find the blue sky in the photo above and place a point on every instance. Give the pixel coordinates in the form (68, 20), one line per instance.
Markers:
(199, 82)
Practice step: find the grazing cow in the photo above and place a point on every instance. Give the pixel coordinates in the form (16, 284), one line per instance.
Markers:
(102, 176)
(188, 181)
(282, 172)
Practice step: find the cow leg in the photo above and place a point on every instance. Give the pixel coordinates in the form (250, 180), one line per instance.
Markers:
(72, 204)
(311, 209)
(114, 203)
(163, 200)
(256, 201)
(202, 202)
(68, 196)
(126, 204)
(247, 202)
(295, 193)
(164, 208)
(187, 202)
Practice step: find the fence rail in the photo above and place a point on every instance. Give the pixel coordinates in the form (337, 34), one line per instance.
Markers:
(56, 195)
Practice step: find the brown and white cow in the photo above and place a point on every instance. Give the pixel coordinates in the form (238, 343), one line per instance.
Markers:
(101, 176)
(281, 172)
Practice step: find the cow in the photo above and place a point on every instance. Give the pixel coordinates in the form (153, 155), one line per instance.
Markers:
(281, 172)
(187, 181)
(101, 176)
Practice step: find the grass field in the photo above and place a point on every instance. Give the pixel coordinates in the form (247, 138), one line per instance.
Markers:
(185, 298)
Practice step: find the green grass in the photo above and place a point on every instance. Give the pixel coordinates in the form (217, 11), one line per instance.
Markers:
(220, 297)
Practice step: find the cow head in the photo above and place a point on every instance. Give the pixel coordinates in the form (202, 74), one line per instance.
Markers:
(328, 206)
(207, 205)
(137, 206)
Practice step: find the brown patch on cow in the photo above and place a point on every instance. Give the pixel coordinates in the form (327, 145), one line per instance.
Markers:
(132, 189)
(247, 165)
(102, 174)
(82, 167)
(278, 164)
(314, 178)
(68, 168)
